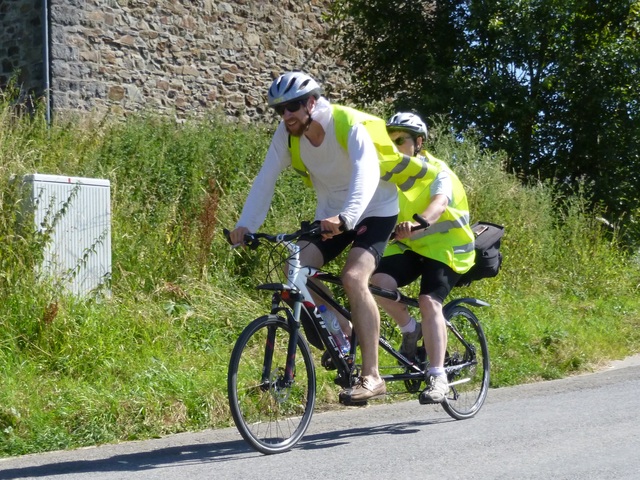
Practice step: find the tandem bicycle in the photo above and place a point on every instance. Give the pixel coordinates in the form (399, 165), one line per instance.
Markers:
(271, 378)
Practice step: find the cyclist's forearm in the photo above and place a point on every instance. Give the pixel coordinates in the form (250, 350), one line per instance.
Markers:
(435, 209)
(259, 198)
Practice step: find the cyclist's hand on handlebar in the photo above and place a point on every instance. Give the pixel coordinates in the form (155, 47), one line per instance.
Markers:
(331, 227)
(404, 230)
(236, 236)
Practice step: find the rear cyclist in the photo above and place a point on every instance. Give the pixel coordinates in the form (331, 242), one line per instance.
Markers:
(439, 254)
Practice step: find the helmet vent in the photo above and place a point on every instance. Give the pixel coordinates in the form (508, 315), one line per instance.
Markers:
(291, 84)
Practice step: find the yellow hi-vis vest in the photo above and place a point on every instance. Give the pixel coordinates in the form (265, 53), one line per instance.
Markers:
(449, 240)
(395, 167)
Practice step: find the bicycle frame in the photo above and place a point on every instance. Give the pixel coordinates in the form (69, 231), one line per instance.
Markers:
(298, 291)
(295, 293)
(413, 371)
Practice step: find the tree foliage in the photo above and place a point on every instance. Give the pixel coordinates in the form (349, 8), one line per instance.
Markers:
(399, 49)
(553, 83)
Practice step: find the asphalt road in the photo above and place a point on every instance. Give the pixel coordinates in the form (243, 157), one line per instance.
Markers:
(584, 427)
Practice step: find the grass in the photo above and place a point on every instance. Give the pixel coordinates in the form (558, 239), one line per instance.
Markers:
(150, 359)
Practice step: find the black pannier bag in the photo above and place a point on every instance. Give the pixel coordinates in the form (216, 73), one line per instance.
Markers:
(488, 256)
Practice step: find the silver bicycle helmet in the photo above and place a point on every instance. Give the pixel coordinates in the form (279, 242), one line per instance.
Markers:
(292, 86)
(408, 122)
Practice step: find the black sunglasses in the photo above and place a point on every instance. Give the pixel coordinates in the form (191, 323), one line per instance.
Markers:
(289, 107)
(400, 140)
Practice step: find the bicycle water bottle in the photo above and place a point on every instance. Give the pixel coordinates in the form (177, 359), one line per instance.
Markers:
(331, 321)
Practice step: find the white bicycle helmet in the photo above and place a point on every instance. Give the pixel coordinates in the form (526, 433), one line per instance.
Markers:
(408, 122)
(292, 86)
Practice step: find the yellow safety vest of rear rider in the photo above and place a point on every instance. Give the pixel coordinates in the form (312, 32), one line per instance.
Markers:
(395, 167)
(449, 240)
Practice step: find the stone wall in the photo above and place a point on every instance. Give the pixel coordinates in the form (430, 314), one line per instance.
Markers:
(21, 44)
(182, 57)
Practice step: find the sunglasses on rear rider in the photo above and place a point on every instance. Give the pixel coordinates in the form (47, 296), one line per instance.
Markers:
(289, 107)
(400, 140)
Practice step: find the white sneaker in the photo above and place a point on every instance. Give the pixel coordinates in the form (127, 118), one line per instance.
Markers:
(436, 392)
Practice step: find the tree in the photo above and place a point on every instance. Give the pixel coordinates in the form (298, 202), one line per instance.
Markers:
(400, 49)
(553, 83)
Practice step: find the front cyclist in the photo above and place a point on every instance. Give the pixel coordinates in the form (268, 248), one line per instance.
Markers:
(338, 150)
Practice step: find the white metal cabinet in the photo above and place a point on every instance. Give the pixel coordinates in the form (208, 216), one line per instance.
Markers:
(76, 212)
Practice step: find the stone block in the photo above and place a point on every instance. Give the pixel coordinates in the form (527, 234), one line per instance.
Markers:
(116, 93)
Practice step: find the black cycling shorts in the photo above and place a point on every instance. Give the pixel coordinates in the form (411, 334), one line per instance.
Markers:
(437, 278)
(372, 234)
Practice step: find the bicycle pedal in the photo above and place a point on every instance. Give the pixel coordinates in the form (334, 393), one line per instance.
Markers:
(425, 401)
(327, 362)
(346, 401)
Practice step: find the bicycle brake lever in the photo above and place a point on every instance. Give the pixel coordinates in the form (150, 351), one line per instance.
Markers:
(249, 240)
(311, 228)
(227, 235)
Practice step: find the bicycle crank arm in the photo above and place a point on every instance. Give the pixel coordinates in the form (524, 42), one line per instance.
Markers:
(459, 382)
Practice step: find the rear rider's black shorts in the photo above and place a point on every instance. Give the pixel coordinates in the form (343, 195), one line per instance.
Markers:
(372, 234)
(437, 278)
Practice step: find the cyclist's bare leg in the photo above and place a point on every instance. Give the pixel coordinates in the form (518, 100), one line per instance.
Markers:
(311, 256)
(397, 311)
(434, 330)
(357, 271)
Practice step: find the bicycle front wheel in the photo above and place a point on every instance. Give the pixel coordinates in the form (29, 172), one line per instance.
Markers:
(271, 414)
(466, 363)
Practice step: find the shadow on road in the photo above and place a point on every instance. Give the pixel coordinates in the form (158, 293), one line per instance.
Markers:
(200, 453)
(341, 437)
(134, 462)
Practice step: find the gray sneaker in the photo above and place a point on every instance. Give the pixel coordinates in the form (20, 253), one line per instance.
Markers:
(435, 392)
(409, 345)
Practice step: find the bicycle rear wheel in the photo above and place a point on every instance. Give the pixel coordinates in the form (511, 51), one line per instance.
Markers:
(466, 363)
(270, 415)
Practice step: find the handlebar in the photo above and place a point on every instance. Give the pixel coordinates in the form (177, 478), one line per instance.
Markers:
(423, 223)
(252, 240)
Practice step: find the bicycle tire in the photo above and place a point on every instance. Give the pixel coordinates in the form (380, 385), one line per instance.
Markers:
(467, 365)
(272, 418)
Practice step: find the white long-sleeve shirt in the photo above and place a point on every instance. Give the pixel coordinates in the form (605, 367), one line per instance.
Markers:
(346, 183)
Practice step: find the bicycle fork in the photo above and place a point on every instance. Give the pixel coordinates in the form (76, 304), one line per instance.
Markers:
(284, 379)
